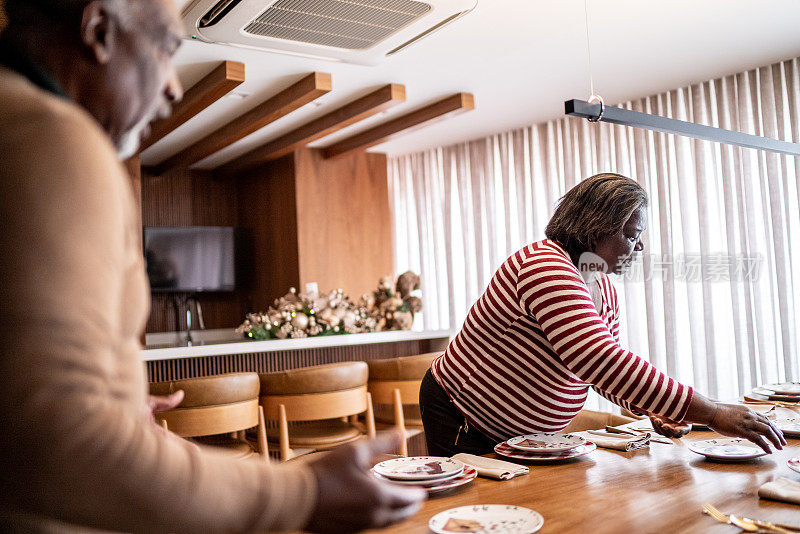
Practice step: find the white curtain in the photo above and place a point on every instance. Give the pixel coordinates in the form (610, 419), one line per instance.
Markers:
(714, 300)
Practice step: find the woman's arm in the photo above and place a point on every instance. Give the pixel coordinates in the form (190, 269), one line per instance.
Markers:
(735, 420)
(552, 291)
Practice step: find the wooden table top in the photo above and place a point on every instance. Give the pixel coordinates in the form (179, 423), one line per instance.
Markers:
(659, 489)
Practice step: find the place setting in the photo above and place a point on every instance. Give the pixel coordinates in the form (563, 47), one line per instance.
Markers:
(433, 473)
(545, 447)
(785, 394)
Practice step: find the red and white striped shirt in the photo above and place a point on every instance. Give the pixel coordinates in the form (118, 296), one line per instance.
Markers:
(533, 344)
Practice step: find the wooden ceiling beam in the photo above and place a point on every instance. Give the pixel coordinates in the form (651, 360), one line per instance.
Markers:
(357, 110)
(442, 109)
(221, 81)
(299, 94)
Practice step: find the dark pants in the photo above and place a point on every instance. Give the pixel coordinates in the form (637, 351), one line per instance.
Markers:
(446, 429)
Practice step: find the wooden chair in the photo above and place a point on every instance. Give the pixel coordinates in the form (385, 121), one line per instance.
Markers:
(328, 398)
(214, 406)
(396, 382)
(592, 420)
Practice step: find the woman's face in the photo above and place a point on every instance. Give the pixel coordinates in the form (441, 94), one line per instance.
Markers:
(620, 249)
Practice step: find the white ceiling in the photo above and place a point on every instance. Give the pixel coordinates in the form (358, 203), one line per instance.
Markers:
(520, 58)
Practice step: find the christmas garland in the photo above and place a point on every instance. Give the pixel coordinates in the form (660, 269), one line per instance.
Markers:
(299, 315)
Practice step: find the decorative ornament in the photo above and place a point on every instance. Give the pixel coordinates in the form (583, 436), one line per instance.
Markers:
(300, 321)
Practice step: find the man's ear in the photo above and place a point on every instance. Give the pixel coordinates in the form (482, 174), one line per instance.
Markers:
(98, 29)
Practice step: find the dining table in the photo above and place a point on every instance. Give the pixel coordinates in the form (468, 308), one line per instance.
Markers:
(661, 488)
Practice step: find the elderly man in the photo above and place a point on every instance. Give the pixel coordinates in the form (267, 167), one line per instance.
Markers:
(79, 81)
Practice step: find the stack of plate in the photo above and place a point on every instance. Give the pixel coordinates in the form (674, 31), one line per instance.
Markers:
(434, 473)
(784, 391)
(544, 447)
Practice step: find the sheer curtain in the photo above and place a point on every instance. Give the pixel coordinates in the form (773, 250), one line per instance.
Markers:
(713, 301)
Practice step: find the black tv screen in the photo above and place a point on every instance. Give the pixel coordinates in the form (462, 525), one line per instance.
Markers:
(190, 259)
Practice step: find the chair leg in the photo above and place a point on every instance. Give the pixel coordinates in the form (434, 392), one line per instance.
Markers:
(400, 422)
(370, 417)
(283, 427)
(354, 419)
(263, 448)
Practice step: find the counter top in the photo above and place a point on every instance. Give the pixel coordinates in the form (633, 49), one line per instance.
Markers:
(224, 342)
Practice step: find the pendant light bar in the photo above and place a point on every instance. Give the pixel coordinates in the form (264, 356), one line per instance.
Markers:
(657, 123)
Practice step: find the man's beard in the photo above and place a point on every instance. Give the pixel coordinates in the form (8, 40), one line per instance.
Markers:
(130, 141)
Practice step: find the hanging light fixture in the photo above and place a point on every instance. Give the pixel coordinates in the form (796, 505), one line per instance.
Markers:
(595, 110)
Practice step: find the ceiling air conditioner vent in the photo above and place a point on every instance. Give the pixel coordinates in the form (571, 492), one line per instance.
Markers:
(352, 25)
(356, 31)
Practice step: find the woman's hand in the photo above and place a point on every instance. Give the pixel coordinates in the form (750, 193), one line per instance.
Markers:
(349, 499)
(668, 427)
(742, 422)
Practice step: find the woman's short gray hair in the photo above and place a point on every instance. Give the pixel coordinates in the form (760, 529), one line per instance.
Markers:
(597, 207)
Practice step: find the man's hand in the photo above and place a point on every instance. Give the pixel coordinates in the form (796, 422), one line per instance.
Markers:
(668, 427)
(157, 403)
(349, 499)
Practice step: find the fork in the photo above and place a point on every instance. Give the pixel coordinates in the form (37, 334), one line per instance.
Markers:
(722, 518)
(749, 525)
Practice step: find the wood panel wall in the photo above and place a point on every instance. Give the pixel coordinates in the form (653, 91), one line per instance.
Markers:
(268, 210)
(3, 18)
(269, 362)
(186, 197)
(344, 231)
(309, 219)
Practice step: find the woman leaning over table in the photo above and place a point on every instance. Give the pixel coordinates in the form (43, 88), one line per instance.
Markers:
(545, 331)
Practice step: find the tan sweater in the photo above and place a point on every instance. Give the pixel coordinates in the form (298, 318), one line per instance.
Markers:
(77, 448)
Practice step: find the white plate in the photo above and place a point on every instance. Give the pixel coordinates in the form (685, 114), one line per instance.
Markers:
(543, 442)
(794, 464)
(504, 449)
(728, 449)
(419, 468)
(790, 426)
(771, 395)
(784, 388)
(434, 486)
(486, 519)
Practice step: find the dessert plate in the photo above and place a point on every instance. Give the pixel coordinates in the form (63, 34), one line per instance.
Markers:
(547, 443)
(419, 468)
(727, 449)
(790, 426)
(487, 518)
(504, 449)
(794, 464)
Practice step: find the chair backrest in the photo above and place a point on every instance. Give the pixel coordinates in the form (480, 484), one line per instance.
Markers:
(211, 405)
(404, 374)
(314, 393)
(316, 406)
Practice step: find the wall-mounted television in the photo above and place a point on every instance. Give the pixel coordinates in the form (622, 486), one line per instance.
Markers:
(191, 259)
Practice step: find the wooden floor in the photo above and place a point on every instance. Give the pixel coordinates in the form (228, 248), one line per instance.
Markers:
(660, 489)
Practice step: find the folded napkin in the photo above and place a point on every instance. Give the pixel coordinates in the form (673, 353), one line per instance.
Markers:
(782, 489)
(492, 468)
(618, 442)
